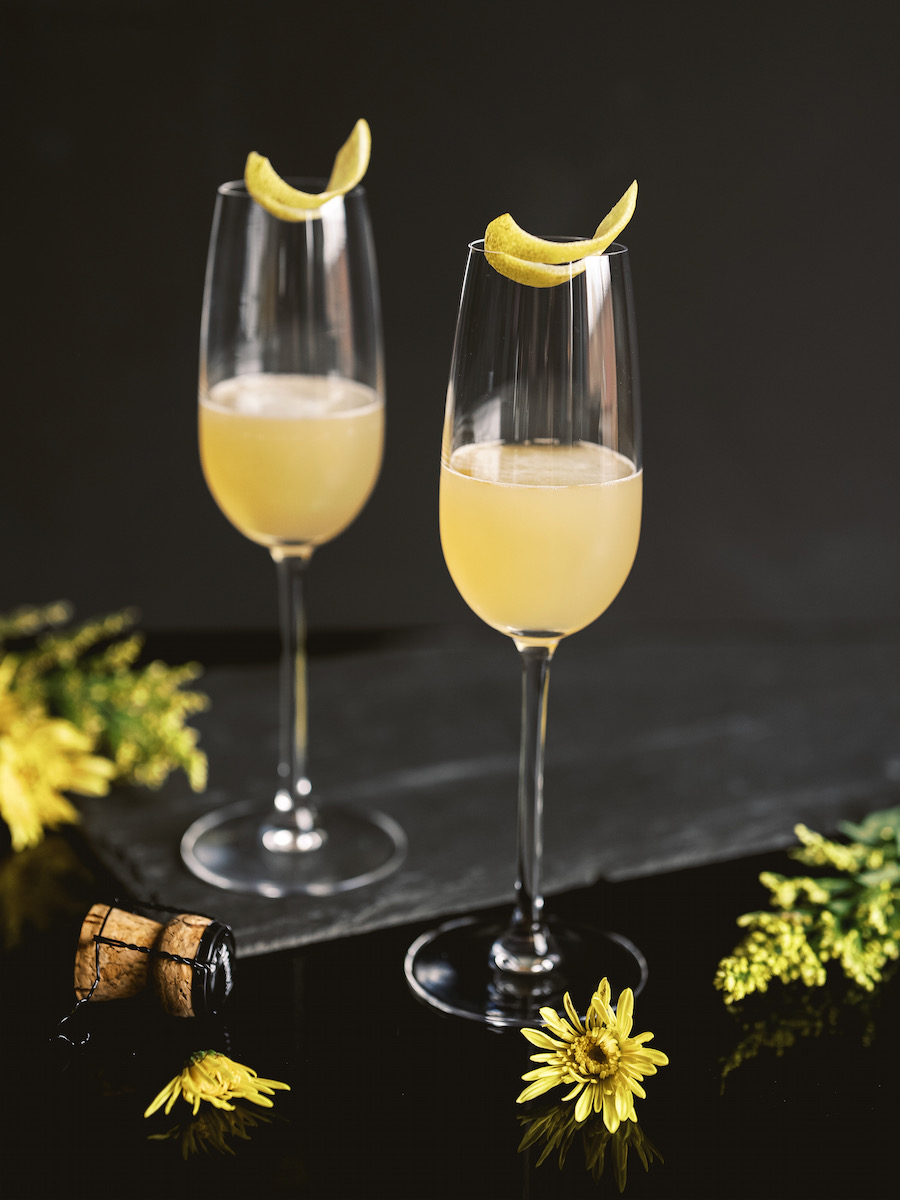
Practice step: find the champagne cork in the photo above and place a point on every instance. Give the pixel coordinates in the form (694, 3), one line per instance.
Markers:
(189, 960)
(199, 986)
(122, 972)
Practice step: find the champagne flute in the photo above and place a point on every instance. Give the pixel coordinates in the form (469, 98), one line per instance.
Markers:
(291, 427)
(540, 511)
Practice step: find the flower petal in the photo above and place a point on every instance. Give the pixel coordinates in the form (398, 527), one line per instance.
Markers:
(560, 1027)
(600, 1007)
(269, 1085)
(572, 1013)
(610, 1116)
(543, 1073)
(631, 1071)
(171, 1086)
(584, 1104)
(536, 1089)
(538, 1038)
(656, 1056)
(625, 1011)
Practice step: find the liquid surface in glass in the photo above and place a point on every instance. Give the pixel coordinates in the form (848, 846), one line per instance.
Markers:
(291, 459)
(539, 538)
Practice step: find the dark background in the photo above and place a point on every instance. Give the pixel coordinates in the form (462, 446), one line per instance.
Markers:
(764, 252)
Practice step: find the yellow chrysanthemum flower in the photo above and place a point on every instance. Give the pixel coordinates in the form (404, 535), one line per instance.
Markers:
(600, 1057)
(40, 758)
(211, 1076)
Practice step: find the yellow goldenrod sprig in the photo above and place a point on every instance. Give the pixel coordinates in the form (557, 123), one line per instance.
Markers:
(137, 713)
(81, 690)
(851, 918)
(55, 651)
(29, 620)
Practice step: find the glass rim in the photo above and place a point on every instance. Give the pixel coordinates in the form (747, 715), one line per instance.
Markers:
(309, 183)
(612, 250)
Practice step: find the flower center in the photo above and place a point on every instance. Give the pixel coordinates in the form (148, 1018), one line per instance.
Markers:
(596, 1054)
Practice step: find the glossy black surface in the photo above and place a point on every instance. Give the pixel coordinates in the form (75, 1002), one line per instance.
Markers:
(391, 1098)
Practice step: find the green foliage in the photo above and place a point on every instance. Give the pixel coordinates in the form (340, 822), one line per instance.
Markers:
(90, 676)
(850, 917)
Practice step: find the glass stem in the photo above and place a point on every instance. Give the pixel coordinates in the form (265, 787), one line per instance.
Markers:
(293, 824)
(526, 946)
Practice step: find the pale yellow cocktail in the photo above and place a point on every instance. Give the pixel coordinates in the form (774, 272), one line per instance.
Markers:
(539, 538)
(291, 459)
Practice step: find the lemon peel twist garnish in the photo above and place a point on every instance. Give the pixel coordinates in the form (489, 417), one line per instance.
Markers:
(288, 203)
(531, 260)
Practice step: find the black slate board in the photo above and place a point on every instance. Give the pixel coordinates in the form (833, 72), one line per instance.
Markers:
(662, 753)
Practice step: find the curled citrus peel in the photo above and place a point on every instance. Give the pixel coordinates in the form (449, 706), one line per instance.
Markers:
(288, 203)
(524, 258)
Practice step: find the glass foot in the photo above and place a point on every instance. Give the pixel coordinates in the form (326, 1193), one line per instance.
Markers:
(450, 969)
(225, 848)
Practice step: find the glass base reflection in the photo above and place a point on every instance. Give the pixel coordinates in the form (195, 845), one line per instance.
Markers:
(450, 968)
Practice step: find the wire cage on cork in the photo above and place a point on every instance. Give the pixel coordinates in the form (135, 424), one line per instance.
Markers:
(187, 959)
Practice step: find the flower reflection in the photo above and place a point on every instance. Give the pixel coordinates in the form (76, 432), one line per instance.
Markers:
(556, 1128)
(39, 885)
(795, 1013)
(212, 1129)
